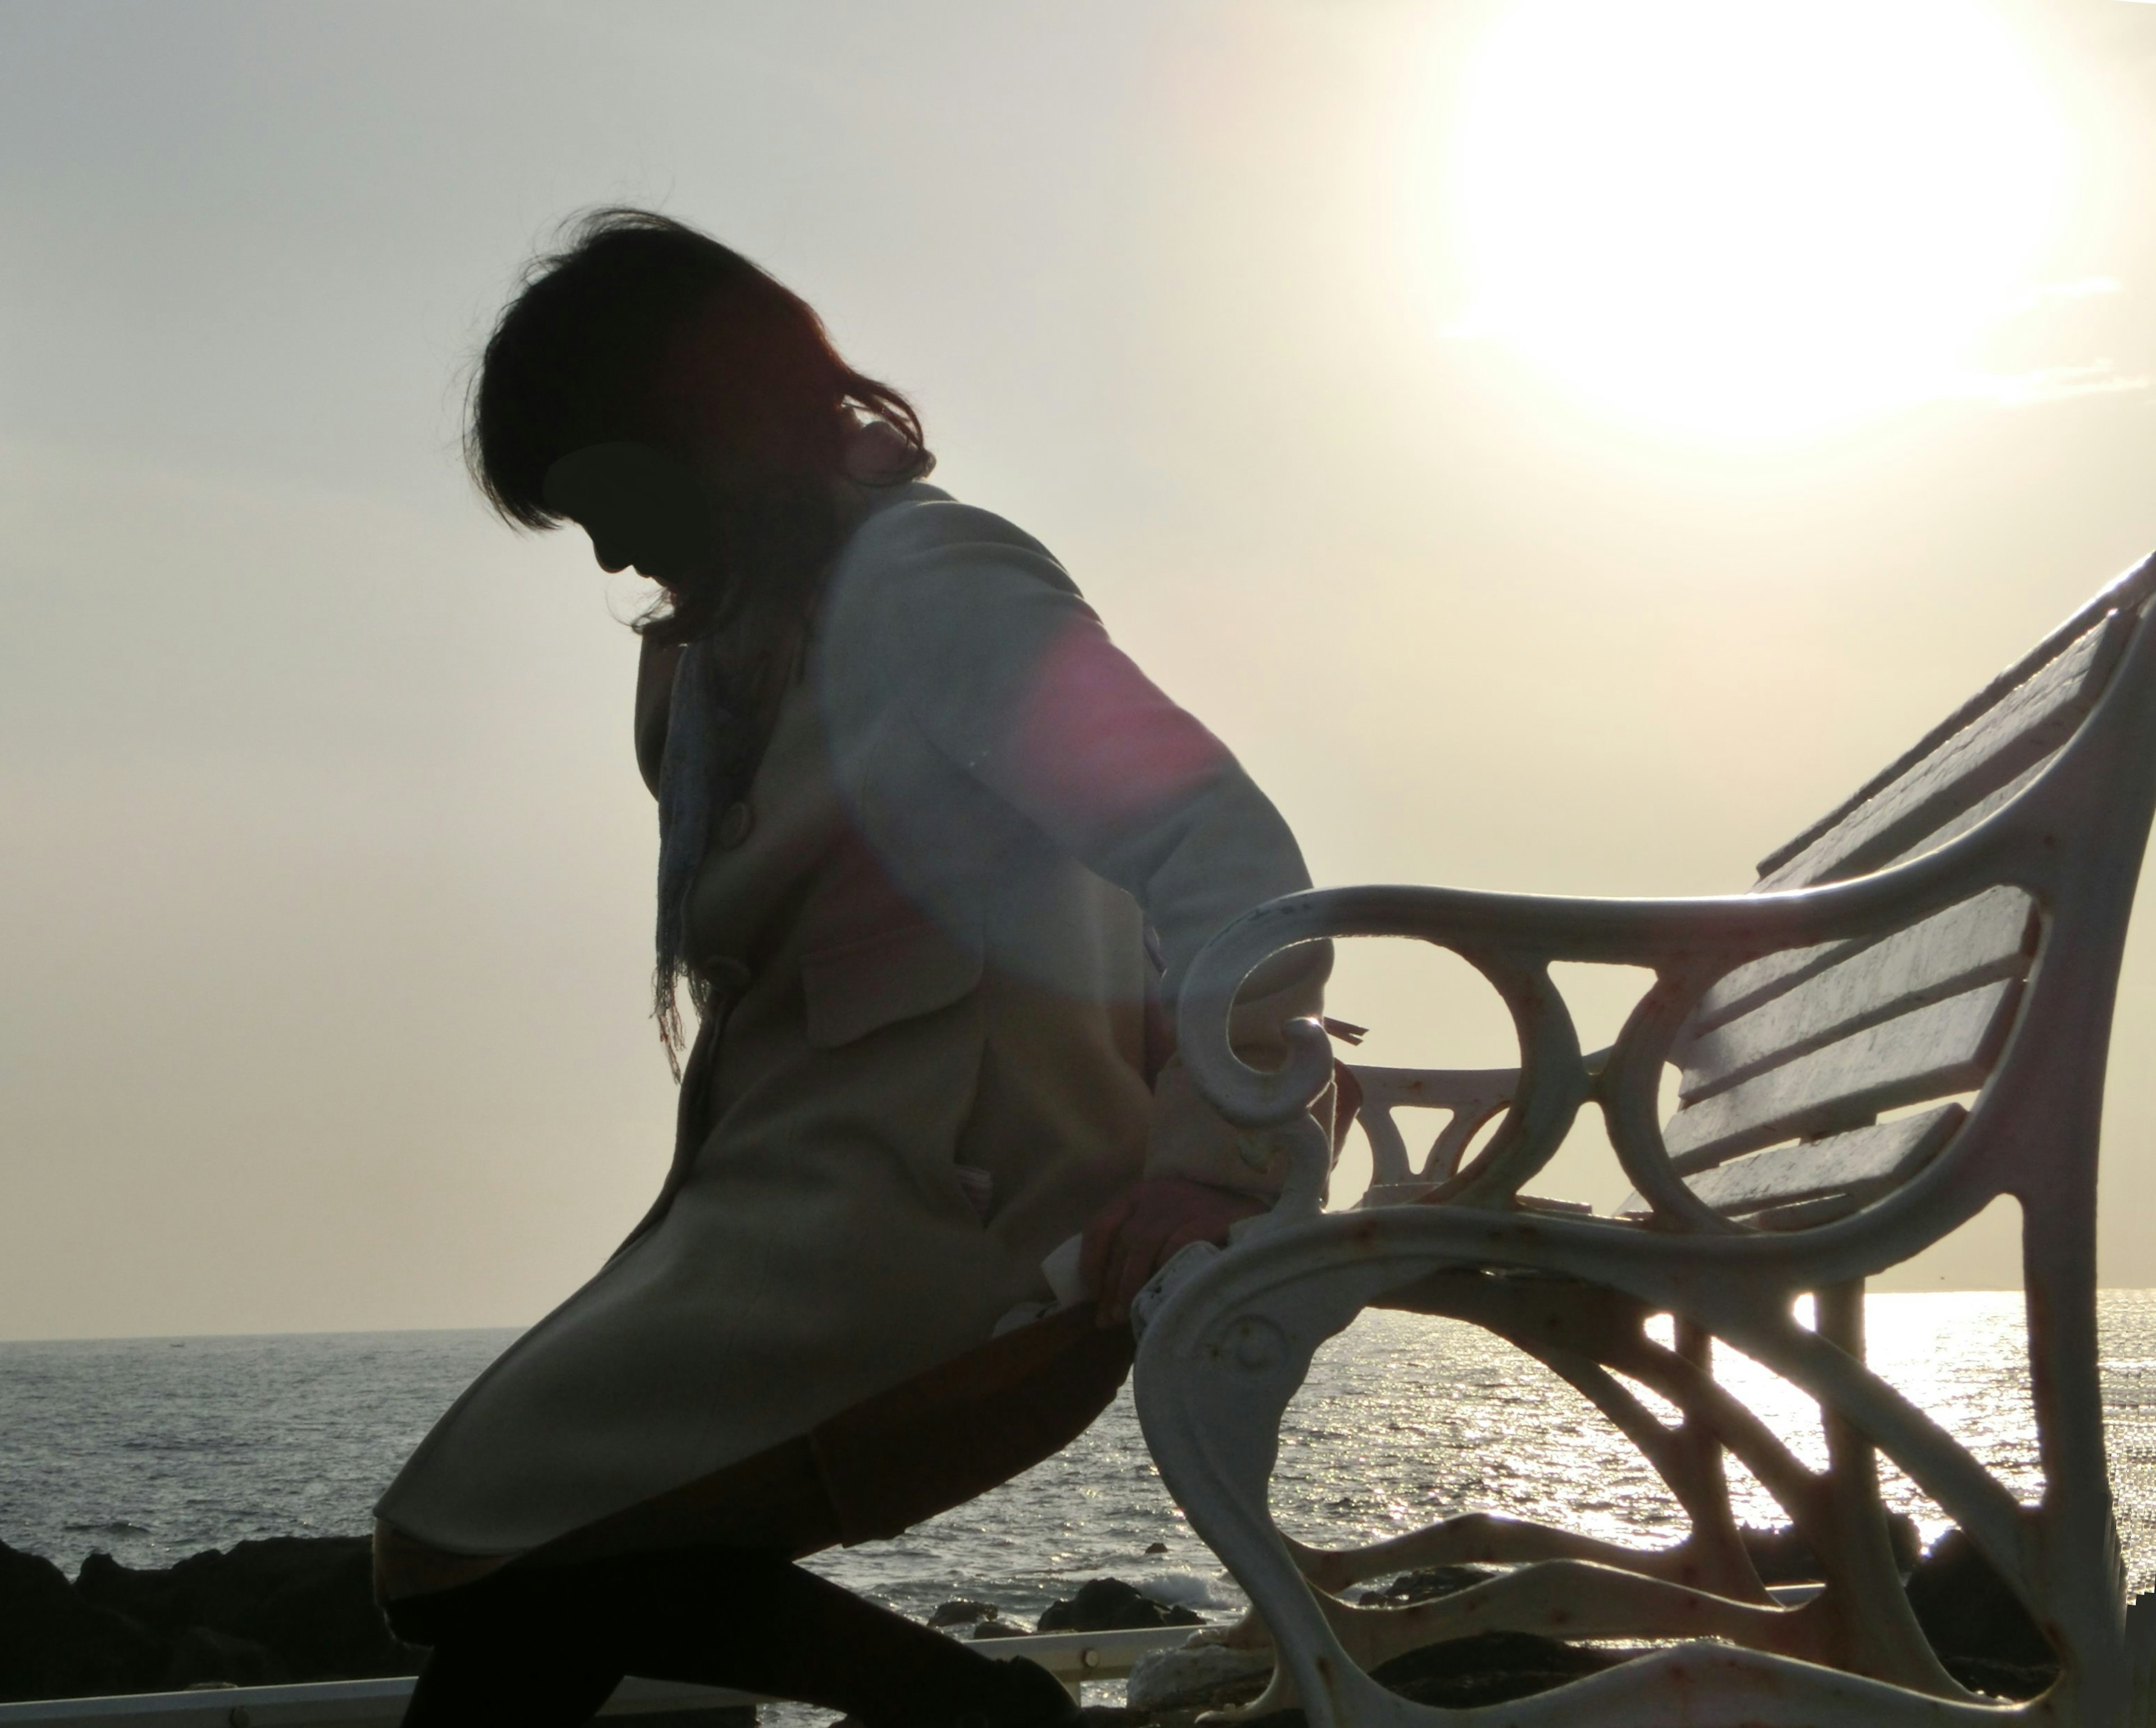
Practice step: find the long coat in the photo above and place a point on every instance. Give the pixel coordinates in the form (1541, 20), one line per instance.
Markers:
(925, 1068)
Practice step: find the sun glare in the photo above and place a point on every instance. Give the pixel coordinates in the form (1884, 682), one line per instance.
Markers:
(1752, 217)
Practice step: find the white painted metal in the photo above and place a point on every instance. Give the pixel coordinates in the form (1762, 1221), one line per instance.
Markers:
(1471, 1097)
(1072, 1656)
(2043, 787)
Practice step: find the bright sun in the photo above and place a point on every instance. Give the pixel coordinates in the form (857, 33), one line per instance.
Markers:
(1752, 217)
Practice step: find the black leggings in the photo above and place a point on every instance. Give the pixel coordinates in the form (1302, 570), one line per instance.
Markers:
(543, 1647)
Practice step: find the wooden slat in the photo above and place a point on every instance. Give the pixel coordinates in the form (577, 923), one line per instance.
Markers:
(1989, 937)
(2125, 595)
(2025, 724)
(1747, 986)
(1756, 981)
(1863, 1160)
(1945, 1047)
(1861, 1163)
(1752, 985)
(1955, 826)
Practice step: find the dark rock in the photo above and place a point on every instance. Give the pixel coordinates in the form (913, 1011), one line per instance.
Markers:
(959, 1612)
(1111, 1605)
(1984, 1636)
(1491, 1668)
(2001, 1679)
(1425, 1586)
(1782, 1556)
(293, 1609)
(308, 1601)
(1779, 1556)
(1195, 1677)
(997, 1628)
(201, 1657)
(1156, 1548)
(54, 1644)
(1906, 1540)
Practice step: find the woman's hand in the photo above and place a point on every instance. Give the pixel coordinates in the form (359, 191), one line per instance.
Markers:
(1130, 1239)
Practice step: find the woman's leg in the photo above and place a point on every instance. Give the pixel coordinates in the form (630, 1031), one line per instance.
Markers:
(759, 1623)
(547, 1645)
(469, 1684)
(521, 1662)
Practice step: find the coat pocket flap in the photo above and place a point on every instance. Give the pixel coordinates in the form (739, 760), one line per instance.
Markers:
(896, 974)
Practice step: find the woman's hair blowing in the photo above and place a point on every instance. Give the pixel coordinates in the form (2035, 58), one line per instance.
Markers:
(641, 329)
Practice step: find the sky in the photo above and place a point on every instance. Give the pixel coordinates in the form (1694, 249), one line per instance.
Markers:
(1561, 447)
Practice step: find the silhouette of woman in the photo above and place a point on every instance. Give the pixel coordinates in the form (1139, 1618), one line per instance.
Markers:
(933, 854)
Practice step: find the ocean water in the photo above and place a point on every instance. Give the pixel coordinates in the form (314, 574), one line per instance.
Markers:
(151, 1449)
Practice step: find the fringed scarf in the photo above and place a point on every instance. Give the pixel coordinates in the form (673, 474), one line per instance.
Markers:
(727, 686)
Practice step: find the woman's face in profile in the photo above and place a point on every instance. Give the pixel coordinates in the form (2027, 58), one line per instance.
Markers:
(641, 506)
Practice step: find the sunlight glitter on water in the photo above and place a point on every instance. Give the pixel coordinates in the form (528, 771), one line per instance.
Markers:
(152, 1450)
(1405, 1420)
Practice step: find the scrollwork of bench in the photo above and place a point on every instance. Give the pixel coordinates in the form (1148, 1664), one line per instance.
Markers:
(1906, 1018)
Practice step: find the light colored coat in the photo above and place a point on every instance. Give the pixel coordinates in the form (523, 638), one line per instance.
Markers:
(926, 925)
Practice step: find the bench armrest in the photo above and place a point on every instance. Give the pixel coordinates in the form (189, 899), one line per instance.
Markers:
(1511, 939)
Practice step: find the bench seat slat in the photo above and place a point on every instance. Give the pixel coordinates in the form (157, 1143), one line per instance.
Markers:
(1989, 937)
(1956, 826)
(2026, 724)
(2126, 595)
(1945, 1047)
(1861, 1163)
(1746, 987)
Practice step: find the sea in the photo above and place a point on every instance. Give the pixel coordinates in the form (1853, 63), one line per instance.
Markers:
(151, 1449)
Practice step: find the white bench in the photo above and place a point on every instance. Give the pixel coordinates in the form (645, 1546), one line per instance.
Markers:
(1907, 1017)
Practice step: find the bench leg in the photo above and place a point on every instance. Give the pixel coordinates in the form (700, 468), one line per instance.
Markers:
(1218, 1366)
(1875, 1630)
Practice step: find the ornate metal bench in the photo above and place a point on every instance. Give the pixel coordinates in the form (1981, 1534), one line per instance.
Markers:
(1907, 1017)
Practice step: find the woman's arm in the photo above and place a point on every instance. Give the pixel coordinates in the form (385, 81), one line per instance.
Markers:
(991, 649)
(983, 638)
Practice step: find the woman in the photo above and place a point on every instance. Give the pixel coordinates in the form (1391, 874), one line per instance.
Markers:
(916, 814)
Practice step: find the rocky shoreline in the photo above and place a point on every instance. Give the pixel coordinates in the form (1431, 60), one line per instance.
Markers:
(260, 1613)
(301, 1609)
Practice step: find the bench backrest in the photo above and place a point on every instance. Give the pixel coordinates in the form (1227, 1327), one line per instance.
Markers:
(1789, 1063)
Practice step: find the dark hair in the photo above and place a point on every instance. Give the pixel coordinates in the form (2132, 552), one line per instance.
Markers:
(641, 329)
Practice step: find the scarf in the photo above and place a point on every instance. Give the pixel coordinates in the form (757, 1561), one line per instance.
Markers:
(711, 757)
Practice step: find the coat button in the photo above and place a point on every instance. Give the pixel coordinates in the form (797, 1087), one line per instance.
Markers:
(735, 824)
